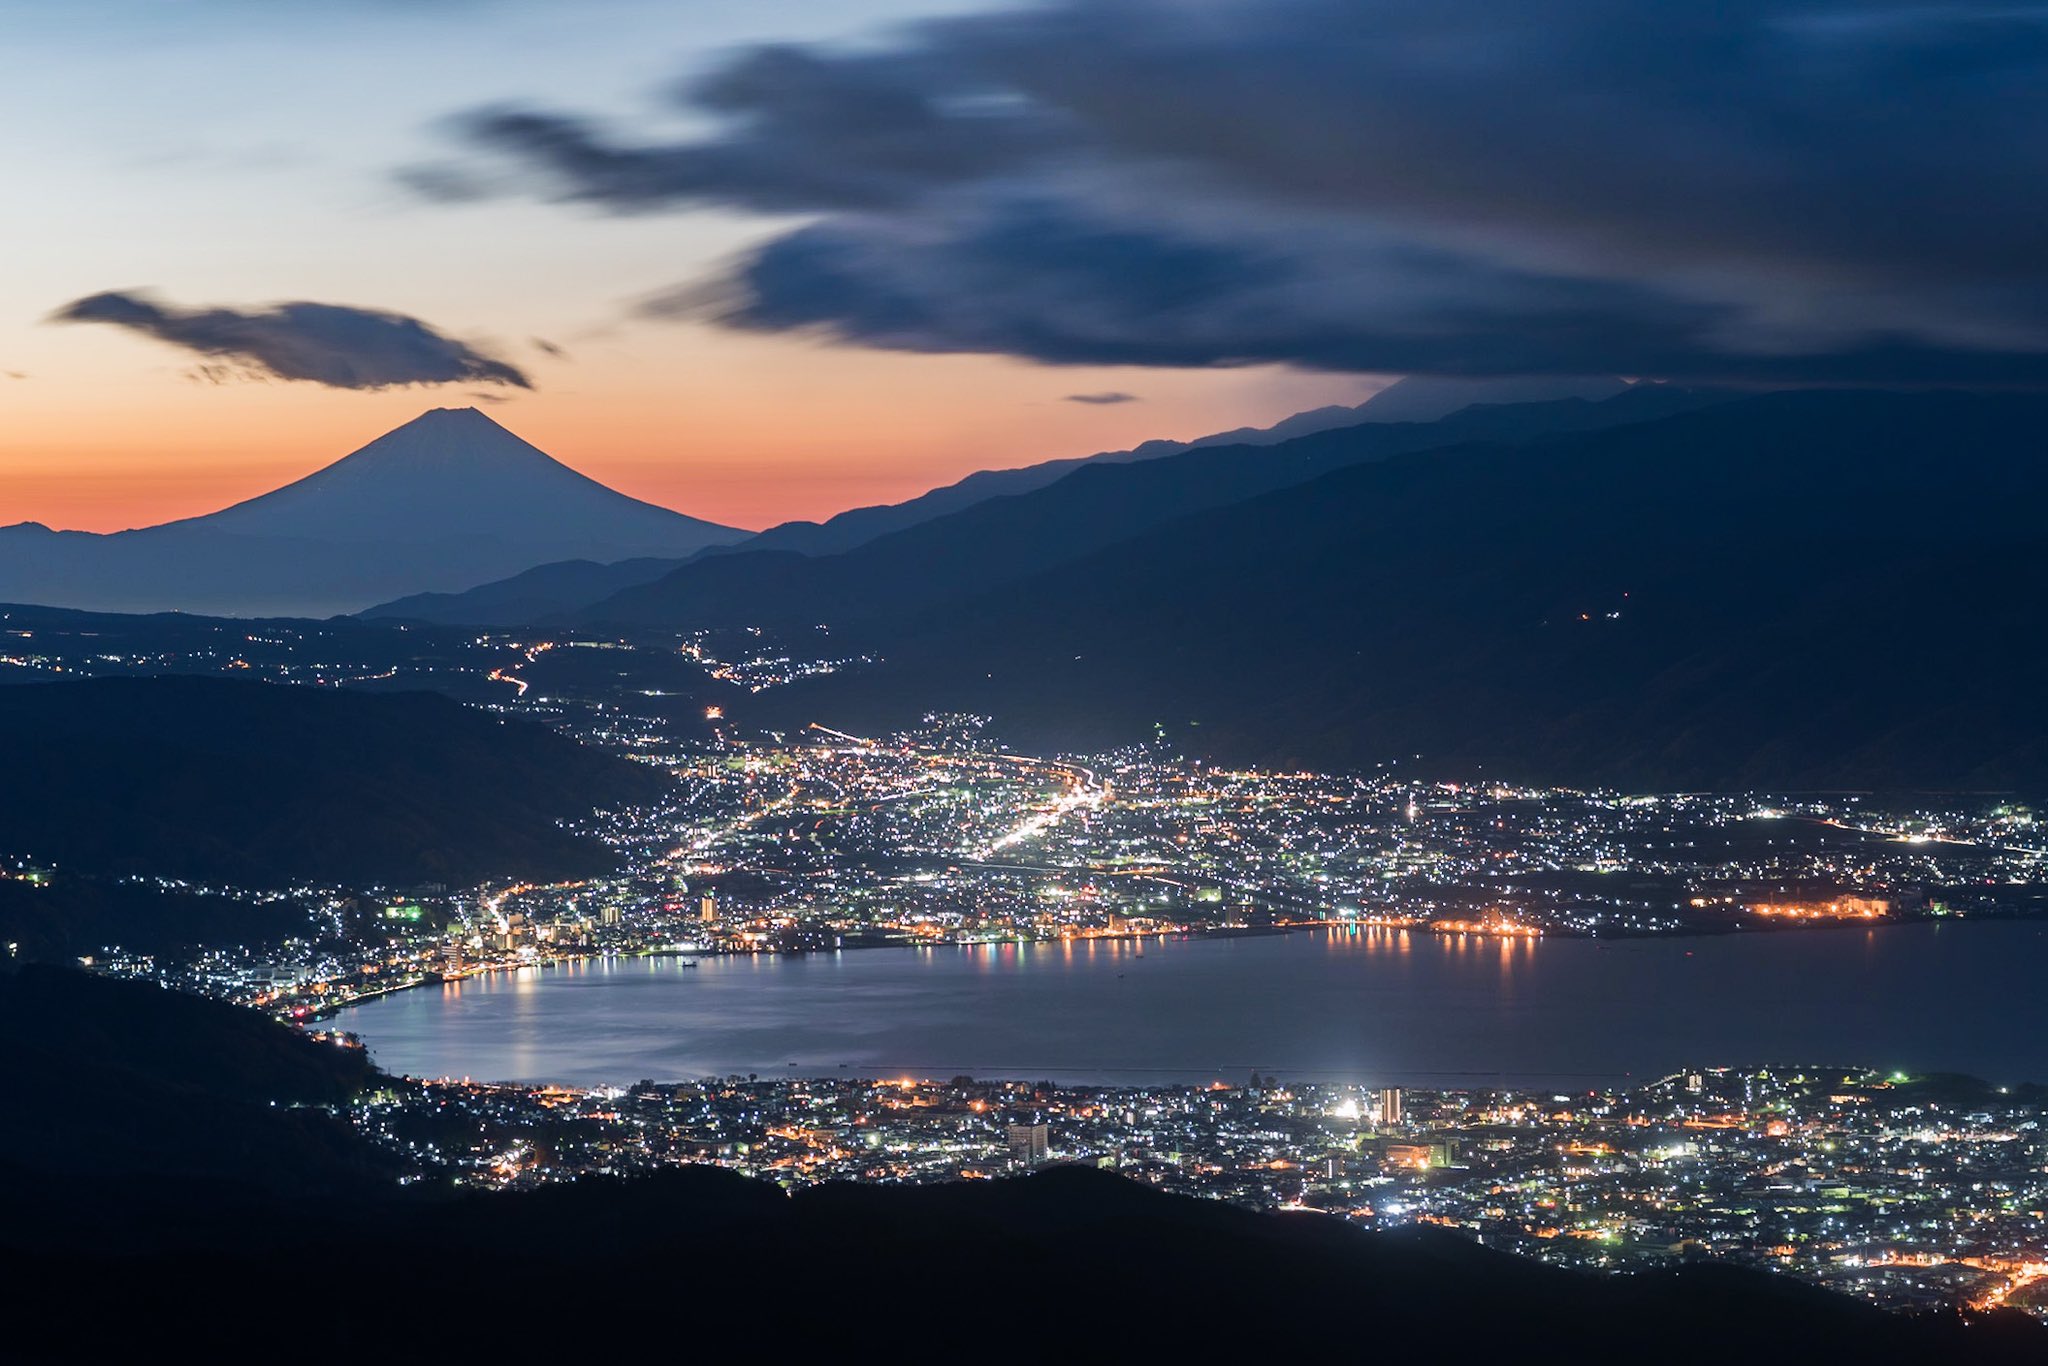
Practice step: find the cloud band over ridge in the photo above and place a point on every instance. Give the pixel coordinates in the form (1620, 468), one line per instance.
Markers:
(1767, 190)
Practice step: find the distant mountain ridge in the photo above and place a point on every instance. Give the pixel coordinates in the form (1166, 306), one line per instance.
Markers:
(446, 501)
(552, 589)
(575, 590)
(1413, 399)
(1008, 539)
(538, 594)
(1784, 592)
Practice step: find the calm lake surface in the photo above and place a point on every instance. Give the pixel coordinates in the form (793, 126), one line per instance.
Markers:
(1370, 1006)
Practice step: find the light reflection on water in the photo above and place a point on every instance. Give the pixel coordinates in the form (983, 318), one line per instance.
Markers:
(1370, 1004)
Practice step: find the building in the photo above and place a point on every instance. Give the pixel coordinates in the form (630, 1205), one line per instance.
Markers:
(1029, 1143)
(1390, 1105)
(1418, 1156)
(707, 907)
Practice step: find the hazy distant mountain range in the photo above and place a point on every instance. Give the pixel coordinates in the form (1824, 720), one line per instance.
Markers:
(453, 518)
(1804, 589)
(1007, 540)
(587, 591)
(447, 501)
(1656, 589)
(1419, 398)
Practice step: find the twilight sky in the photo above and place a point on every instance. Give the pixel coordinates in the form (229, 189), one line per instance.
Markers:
(237, 153)
(761, 260)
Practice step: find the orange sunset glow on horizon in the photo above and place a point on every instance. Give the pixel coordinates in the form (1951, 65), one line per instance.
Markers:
(740, 438)
(103, 428)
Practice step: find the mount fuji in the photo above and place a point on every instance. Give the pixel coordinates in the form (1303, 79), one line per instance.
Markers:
(446, 502)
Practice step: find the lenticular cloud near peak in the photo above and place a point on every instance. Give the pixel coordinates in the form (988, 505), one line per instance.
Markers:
(336, 345)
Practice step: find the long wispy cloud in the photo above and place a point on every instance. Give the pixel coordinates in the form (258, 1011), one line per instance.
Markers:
(332, 344)
(1767, 190)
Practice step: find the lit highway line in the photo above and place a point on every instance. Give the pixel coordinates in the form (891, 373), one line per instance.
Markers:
(709, 838)
(1085, 789)
(532, 653)
(1905, 838)
(1077, 796)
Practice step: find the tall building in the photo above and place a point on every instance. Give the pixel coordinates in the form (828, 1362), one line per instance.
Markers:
(707, 907)
(1390, 1105)
(1029, 1143)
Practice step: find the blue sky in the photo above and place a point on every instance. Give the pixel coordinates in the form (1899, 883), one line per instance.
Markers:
(239, 152)
(770, 260)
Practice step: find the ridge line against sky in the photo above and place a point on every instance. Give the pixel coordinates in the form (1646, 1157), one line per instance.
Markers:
(1230, 210)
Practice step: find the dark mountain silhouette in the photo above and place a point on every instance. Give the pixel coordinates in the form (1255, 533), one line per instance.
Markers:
(141, 1085)
(1415, 399)
(180, 1165)
(546, 590)
(445, 502)
(1003, 540)
(1798, 590)
(1429, 398)
(61, 918)
(897, 1272)
(553, 590)
(265, 785)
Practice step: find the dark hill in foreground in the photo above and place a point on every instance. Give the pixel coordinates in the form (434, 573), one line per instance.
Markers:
(266, 785)
(126, 1082)
(177, 1172)
(1798, 590)
(1071, 1264)
(60, 919)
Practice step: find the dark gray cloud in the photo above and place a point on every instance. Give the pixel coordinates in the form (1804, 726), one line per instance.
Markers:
(1112, 396)
(802, 130)
(1776, 190)
(331, 344)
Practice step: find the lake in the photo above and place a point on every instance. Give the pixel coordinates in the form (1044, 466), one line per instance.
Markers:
(1371, 1006)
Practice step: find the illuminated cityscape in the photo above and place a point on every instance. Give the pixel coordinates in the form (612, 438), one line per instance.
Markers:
(827, 841)
(1183, 680)
(1906, 1191)
(819, 839)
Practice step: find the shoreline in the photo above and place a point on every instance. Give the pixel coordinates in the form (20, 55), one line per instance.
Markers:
(504, 969)
(663, 1027)
(328, 1012)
